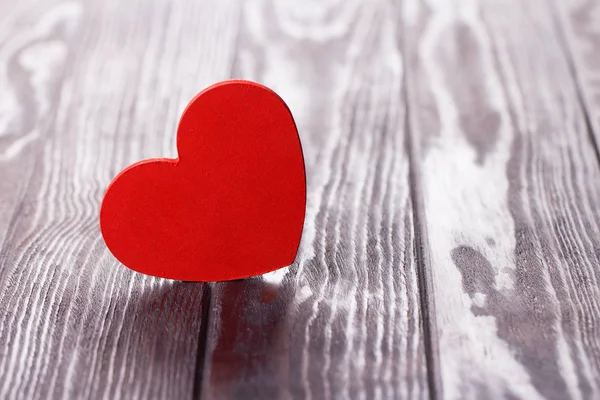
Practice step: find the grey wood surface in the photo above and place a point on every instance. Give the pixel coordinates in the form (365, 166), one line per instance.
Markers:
(452, 235)
(511, 195)
(88, 88)
(579, 22)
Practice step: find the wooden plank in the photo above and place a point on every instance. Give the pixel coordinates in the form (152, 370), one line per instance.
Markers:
(73, 322)
(344, 320)
(34, 43)
(511, 192)
(579, 20)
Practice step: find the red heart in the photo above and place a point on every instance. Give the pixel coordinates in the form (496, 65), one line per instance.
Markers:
(231, 206)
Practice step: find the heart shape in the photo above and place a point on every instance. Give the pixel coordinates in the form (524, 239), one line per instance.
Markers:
(231, 206)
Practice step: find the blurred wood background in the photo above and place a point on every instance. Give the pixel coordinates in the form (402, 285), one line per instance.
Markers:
(452, 240)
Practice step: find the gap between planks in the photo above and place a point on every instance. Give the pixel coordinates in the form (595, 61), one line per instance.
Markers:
(425, 280)
(206, 303)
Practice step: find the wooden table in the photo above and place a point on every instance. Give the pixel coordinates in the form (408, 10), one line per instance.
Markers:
(452, 239)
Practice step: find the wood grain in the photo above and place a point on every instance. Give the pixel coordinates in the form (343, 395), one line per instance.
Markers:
(511, 193)
(344, 320)
(579, 20)
(34, 42)
(89, 87)
(491, 197)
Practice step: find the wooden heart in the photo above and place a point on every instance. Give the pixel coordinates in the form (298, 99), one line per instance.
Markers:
(231, 206)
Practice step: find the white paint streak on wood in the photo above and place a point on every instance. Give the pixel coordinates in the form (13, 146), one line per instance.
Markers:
(40, 52)
(33, 47)
(580, 20)
(464, 217)
(511, 206)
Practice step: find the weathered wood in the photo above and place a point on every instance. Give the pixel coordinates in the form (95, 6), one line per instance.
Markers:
(73, 322)
(34, 43)
(344, 321)
(507, 191)
(511, 193)
(580, 22)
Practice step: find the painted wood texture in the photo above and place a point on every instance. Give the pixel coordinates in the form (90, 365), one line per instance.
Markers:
(580, 23)
(452, 174)
(344, 321)
(87, 88)
(511, 194)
